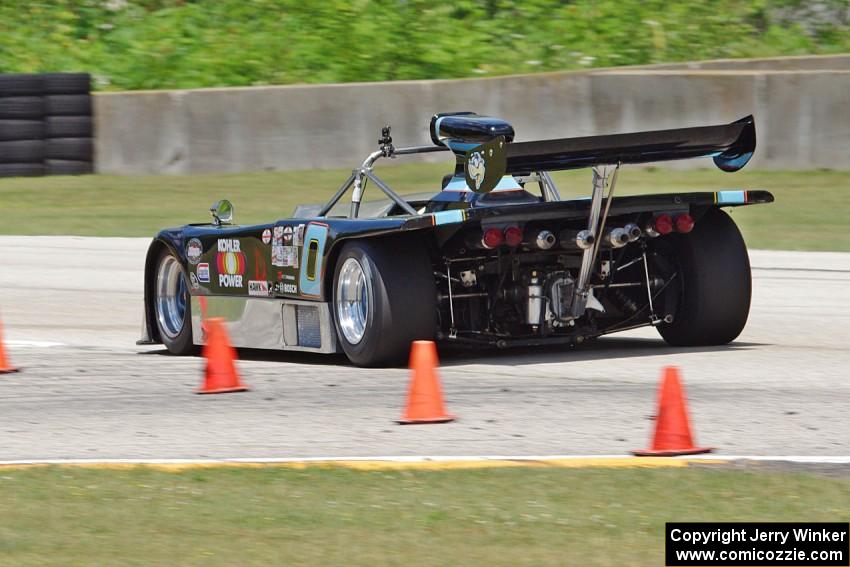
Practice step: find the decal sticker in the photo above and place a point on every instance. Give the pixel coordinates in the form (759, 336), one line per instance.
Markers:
(193, 280)
(267, 236)
(477, 169)
(257, 287)
(287, 235)
(230, 263)
(277, 256)
(204, 273)
(298, 235)
(285, 256)
(194, 249)
(278, 236)
(289, 288)
(485, 165)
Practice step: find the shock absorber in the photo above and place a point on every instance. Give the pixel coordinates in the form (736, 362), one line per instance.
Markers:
(535, 299)
(627, 304)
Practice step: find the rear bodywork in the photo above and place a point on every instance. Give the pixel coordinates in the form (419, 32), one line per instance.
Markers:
(273, 282)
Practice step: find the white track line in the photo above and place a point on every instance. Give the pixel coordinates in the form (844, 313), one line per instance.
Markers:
(831, 459)
(33, 344)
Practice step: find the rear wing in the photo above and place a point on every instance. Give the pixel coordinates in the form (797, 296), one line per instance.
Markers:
(730, 145)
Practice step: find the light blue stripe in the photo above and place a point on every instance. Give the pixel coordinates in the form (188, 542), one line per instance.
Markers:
(448, 217)
(460, 146)
(731, 198)
(506, 182)
(437, 126)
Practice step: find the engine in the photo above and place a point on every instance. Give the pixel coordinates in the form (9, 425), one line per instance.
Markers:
(520, 281)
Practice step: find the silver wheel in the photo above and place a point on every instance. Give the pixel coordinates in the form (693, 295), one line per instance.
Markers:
(170, 297)
(352, 301)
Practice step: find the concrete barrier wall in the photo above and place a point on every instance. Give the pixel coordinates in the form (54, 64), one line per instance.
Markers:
(803, 117)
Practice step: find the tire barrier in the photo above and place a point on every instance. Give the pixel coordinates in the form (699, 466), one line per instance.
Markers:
(46, 124)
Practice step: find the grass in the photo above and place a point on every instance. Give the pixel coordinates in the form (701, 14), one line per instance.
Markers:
(156, 44)
(809, 213)
(335, 516)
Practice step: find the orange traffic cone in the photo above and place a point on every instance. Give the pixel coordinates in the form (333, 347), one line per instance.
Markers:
(220, 375)
(424, 397)
(672, 427)
(5, 365)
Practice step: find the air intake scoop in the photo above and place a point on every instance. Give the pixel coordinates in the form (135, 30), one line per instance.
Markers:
(462, 131)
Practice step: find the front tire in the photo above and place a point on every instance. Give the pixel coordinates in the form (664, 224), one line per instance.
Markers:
(384, 297)
(715, 283)
(172, 306)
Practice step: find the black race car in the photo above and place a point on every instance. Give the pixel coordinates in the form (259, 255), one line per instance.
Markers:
(496, 258)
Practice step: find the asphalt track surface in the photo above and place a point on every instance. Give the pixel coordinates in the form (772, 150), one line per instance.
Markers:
(71, 309)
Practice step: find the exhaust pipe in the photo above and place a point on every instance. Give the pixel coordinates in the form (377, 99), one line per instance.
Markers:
(616, 237)
(581, 239)
(633, 231)
(545, 240)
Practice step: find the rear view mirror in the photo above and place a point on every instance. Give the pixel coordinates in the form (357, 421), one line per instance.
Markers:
(222, 212)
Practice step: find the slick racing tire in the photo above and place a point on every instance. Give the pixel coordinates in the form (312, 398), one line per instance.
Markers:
(715, 283)
(172, 307)
(384, 297)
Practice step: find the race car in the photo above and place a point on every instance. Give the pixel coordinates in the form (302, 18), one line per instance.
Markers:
(493, 258)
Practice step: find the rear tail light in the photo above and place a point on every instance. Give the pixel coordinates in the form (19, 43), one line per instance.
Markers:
(684, 223)
(513, 236)
(663, 224)
(493, 238)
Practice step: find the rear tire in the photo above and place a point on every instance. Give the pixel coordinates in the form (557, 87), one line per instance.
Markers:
(172, 307)
(394, 304)
(715, 283)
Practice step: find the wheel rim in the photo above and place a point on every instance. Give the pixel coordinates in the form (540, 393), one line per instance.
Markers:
(170, 297)
(352, 301)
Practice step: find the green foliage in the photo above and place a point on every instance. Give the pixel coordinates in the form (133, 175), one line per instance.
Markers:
(148, 44)
(140, 205)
